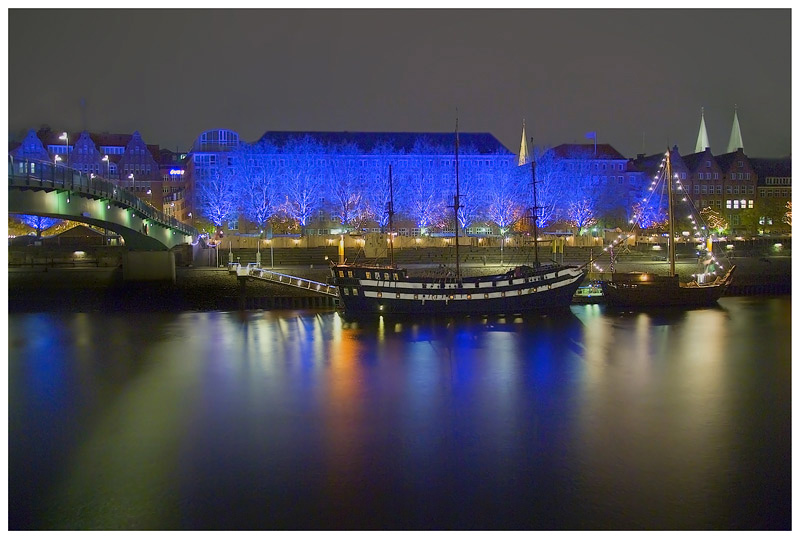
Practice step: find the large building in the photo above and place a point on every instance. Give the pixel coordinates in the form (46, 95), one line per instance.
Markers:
(323, 180)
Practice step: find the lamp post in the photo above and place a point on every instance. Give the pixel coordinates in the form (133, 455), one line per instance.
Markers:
(108, 166)
(133, 182)
(56, 159)
(65, 138)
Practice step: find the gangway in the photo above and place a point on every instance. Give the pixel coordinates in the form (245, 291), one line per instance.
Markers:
(254, 271)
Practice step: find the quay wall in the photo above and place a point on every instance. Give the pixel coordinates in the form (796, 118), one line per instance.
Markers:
(84, 289)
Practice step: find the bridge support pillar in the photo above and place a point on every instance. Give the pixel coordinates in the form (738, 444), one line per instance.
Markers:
(148, 266)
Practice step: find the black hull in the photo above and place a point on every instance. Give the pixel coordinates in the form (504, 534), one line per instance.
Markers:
(630, 292)
(546, 290)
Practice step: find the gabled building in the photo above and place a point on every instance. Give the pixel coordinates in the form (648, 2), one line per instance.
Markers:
(122, 158)
(740, 182)
(774, 190)
(31, 148)
(704, 180)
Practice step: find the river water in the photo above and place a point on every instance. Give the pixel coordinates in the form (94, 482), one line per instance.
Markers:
(591, 419)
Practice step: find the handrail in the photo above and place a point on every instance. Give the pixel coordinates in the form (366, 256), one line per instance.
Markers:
(255, 272)
(46, 174)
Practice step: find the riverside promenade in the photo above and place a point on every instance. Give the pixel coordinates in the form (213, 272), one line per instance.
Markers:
(101, 289)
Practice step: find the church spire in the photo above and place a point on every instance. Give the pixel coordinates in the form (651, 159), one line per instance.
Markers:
(736, 134)
(702, 136)
(523, 148)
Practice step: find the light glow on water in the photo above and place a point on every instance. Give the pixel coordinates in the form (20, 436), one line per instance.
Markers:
(593, 420)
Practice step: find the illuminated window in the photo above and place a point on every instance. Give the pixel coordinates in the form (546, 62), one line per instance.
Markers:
(369, 275)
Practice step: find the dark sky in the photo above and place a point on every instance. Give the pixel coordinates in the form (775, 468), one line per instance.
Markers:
(630, 75)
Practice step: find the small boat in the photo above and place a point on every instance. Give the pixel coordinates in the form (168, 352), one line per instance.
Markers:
(591, 293)
(640, 289)
(375, 289)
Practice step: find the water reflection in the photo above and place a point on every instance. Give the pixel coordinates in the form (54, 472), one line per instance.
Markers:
(289, 419)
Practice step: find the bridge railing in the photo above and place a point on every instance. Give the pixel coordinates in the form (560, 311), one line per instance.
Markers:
(35, 173)
(256, 272)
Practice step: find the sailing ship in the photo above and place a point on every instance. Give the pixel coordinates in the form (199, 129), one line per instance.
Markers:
(370, 290)
(644, 289)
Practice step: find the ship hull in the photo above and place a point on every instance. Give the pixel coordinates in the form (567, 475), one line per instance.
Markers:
(503, 294)
(647, 290)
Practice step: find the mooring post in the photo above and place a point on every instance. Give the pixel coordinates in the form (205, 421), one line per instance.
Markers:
(242, 292)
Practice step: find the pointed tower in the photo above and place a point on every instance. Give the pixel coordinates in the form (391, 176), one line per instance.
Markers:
(702, 136)
(736, 134)
(523, 148)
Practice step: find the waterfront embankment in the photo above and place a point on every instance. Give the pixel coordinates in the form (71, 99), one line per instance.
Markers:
(205, 289)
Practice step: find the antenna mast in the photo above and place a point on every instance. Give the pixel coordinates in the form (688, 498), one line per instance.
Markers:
(671, 217)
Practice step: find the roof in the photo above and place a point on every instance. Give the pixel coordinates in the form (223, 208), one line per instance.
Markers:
(772, 167)
(693, 160)
(726, 160)
(587, 151)
(483, 143)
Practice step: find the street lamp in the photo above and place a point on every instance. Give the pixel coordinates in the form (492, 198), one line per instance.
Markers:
(133, 182)
(108, 166)
(65, 138)
(56, 159)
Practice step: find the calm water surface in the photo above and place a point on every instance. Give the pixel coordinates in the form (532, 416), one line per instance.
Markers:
(587, 420)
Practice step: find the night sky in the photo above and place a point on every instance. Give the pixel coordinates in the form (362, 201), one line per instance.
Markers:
(637, 77)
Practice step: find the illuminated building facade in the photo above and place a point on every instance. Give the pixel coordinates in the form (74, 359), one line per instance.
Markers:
(339, 180)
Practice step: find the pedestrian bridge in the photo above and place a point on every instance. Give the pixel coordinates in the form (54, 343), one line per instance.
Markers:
(254, 271)
(49, 190)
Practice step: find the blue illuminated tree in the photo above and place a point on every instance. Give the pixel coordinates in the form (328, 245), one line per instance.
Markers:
(581, 213)
(37, 222)
(301, 180)
(422, 192)
(255, 181)
(473, 175)
(507, 198)
(217, 195)
(549, 172)
(346, 186)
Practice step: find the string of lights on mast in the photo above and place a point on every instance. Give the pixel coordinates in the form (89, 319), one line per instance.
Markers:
(636, 219)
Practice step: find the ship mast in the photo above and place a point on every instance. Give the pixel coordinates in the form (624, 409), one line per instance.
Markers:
(456, 205)
(390, 211)
(671, 217)
(535, 208)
